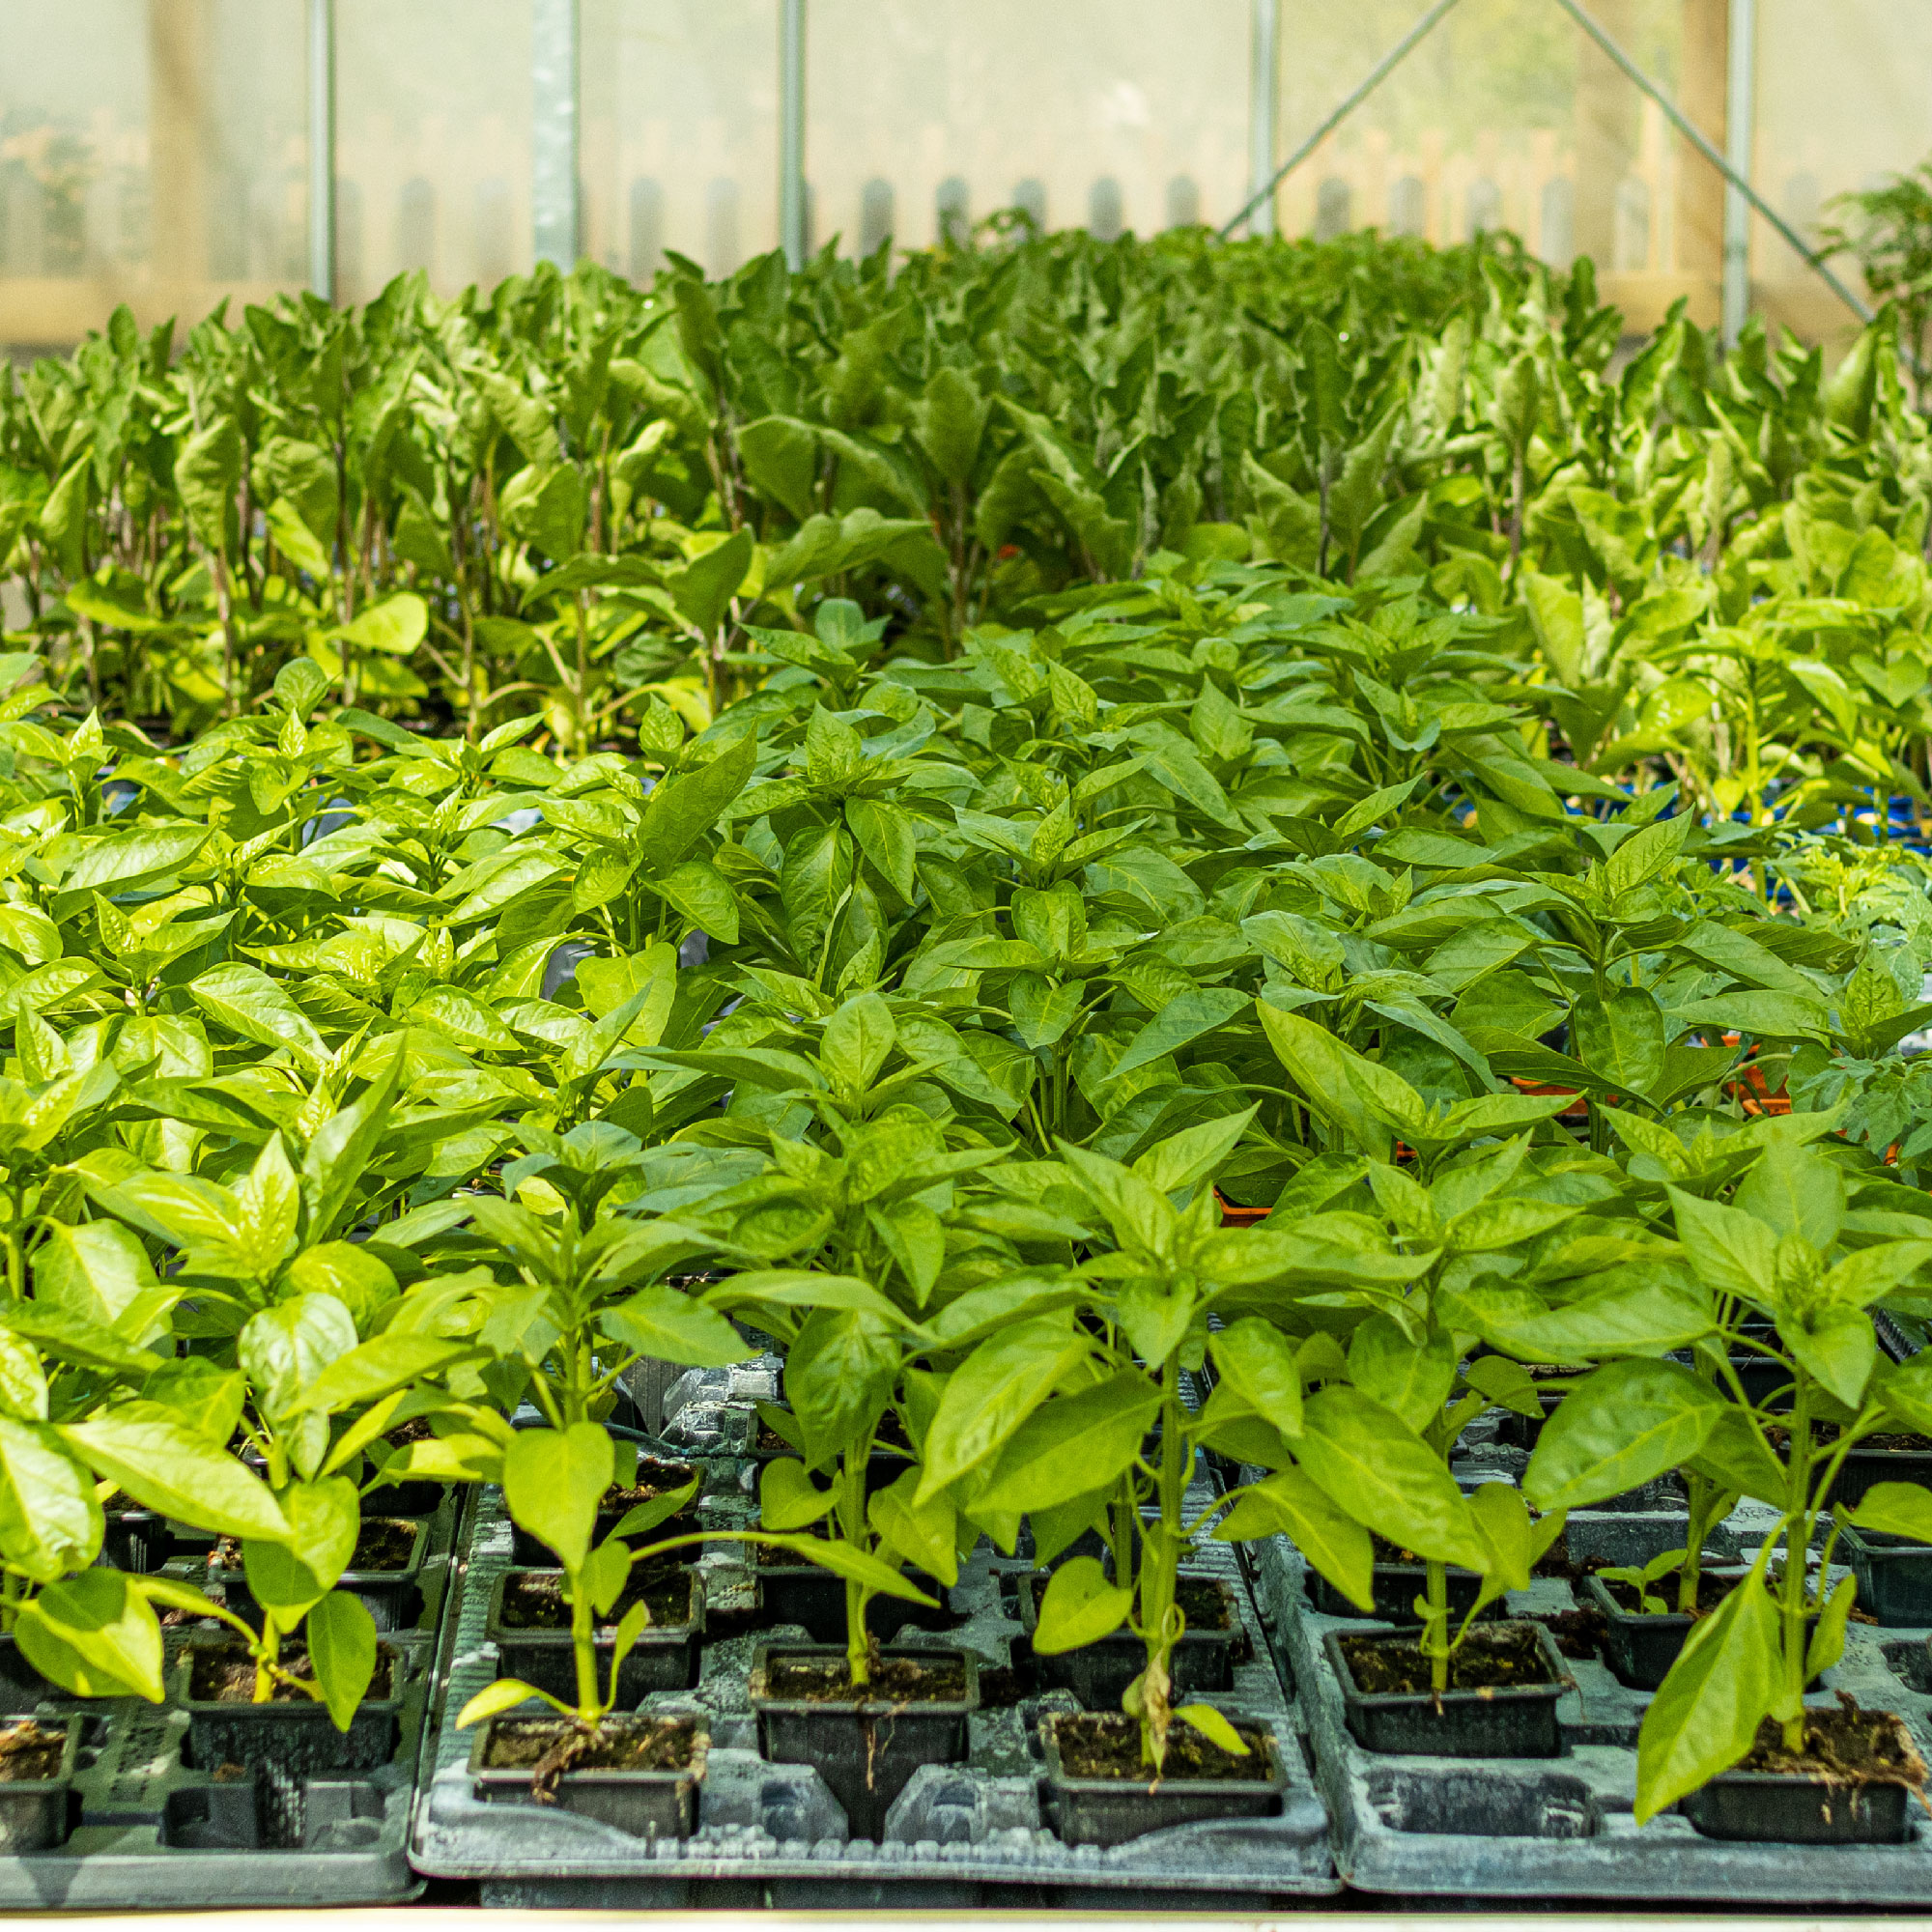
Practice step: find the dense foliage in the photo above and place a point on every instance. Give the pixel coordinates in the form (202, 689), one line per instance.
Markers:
(936, 776)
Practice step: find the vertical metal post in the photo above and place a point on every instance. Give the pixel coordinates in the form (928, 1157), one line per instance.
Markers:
(791, 130)
(321, 149)
(1263, 109)
(554, 185)
(1740, 133)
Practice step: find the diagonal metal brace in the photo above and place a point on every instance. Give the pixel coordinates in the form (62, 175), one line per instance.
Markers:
(1383, 68)
(1695, 137)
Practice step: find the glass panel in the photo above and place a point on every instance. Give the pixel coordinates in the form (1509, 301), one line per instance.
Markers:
(1841, 93)
(1507, 116)
(433, 142)
(679, 144)
(154, 154)
(928, 115)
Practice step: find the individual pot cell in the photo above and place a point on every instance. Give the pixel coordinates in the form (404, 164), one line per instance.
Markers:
(653, 1479)
(133, 1540)
(1854, 1785)
(1881, 1459)
(1398, 1580)
(1504, 1685)
(1895, 1575)
(384, 1573)
(1640, 1646)
(37, 1765)
(638, 1774)
(21, 1685)
(814, 1598)
(530, 1624)
(214, 1681)
(1098, 1673)
(1098, 1792)
(914, 1713)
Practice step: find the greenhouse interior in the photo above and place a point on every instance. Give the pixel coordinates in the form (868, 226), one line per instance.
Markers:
(966, 961)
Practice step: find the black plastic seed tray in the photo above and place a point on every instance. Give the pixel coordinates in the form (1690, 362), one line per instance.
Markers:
(773, 1834)
(147, 1825)
(1562, 1826)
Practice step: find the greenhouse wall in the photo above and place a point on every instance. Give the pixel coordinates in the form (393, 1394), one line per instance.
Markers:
(168, 154)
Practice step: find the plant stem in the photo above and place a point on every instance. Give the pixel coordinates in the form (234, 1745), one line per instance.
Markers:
(1798, 1542)
(851, 1515)
(1436, 1632)
(584, 1647)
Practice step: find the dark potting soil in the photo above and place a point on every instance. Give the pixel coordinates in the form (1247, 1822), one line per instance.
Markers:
(382, 1542)
(1711, 1592)
(537, 1603)
(225, 1674)
(1103, 1745)
(418, 1430)
(1493, 1658)
(1200, 1600)
(1828, 1431)
(29, 1753)
(549, 1746)
(654, 1480)
(895, 1680)
(1578, 1632)
(1847, 1745)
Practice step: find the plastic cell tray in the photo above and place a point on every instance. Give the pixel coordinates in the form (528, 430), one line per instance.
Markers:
(1424, 1826)
(147, 1825)
(772, 1833)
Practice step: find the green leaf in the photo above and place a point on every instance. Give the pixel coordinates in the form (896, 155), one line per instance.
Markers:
(1079, 1607)
(50, 1520)
(1371, 1463)
(394, 625)
(1289, 1504)
(1073, 1444)
(248, 1002)
(993, 1391)
(1257, 1366)
(1621, 1427)
(177, 1472)
(504, 1695)
(672, 1327)
(1705, 1714)
(1180, 1023)
(553, 1481)
(788, 1498)
(924, 1533)
(341, 1638)
(1897, 1509)
(843, 1560)
(290, 1574)
(1414, 1379)
(1619, 1035)
(95, 1634)
(1212, 1726)
(705, 585)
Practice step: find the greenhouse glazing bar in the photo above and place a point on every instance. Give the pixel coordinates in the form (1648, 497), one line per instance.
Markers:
(556, 231)
(1736, 181)
(1264, 110)
(321, 149)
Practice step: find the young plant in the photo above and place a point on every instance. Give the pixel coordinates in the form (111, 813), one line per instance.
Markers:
(1780, 1274)
(553, 1481)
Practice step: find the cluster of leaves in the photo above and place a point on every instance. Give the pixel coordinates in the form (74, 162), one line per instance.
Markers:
(910, 1012)
(580, 497)
(992, 762)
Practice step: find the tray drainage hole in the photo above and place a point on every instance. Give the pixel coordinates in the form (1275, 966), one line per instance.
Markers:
(1481, 1804)
(1911, 1663)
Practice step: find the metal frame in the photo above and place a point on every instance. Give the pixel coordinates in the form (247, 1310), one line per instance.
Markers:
(556, 223)
(556, 193)
(321, 149)
(1740, 137)
(791, 130)
(1740, 196)
(1263, 112)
